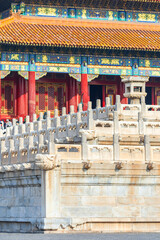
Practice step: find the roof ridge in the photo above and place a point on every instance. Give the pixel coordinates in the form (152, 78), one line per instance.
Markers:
(85, 23)
(81, 23)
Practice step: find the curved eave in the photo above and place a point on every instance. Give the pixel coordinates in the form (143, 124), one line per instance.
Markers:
(81, 47)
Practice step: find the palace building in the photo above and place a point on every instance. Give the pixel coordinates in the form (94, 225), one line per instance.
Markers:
(95, 168)
(58, 53)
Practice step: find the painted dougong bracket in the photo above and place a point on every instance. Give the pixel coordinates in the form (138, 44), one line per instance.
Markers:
(38, 75)
(78, 77)
(4, 74)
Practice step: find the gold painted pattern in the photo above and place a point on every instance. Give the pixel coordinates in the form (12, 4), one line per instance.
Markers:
(110, 15)
(110, 67)
(14, 56)
(13, 63)
(151, 69)
(146, 17)
(47, 11)
(57, 65)
(84, 13)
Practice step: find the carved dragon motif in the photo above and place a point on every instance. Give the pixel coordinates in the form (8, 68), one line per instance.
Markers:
(47, 162)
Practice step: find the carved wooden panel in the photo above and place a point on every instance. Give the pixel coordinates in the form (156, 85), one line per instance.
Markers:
(50, 96)
(7, 97)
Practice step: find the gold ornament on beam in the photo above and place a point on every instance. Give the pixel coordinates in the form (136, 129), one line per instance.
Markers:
(23, 74)
(4, 74)
(92, 77)
(40, 75)
(76, 76)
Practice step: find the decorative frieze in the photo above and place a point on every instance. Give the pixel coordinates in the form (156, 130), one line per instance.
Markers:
(86, 13)
(18, 57)
(63, 59)
(72, 64)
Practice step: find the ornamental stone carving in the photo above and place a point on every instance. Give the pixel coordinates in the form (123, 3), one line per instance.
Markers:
(47, 162)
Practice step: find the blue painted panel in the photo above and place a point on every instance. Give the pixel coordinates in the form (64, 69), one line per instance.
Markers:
(109, 71)
(15, 57)
(110, 61)
(65, 59)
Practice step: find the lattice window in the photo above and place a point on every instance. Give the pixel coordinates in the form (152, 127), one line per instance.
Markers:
(60, 98)
(50, 98)
(8, 97)
(41, 98)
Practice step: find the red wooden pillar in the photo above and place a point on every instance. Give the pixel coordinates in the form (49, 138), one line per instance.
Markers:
(103, 95)
(71, 99)
(72, 94)
(84, 90)
(31, 94)
(0, 96)
(84, 83)
(26, 96)
(67, 102)
(122, 91)
(21, 100)
(77, 94)
(153, 95)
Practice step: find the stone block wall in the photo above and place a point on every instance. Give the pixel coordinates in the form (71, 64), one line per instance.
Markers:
(74, 196)
(20, 200)
(105, 199)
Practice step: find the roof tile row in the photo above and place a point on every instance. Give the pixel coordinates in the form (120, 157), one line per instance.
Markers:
(27, 31)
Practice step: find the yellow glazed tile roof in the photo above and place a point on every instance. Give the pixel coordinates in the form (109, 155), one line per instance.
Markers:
(39, 31)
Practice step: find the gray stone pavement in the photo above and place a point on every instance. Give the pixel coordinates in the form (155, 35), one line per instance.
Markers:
(116, 236)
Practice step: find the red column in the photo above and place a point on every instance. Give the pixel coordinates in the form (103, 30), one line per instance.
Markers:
(31, 94)
(103, 95)
(0, 96)
(153, 95)
(75, 94)
(21, 97)
(67, 103)
(72, 94)
(26, 96)
(84, 90)
(15, 97)
(122, 91)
